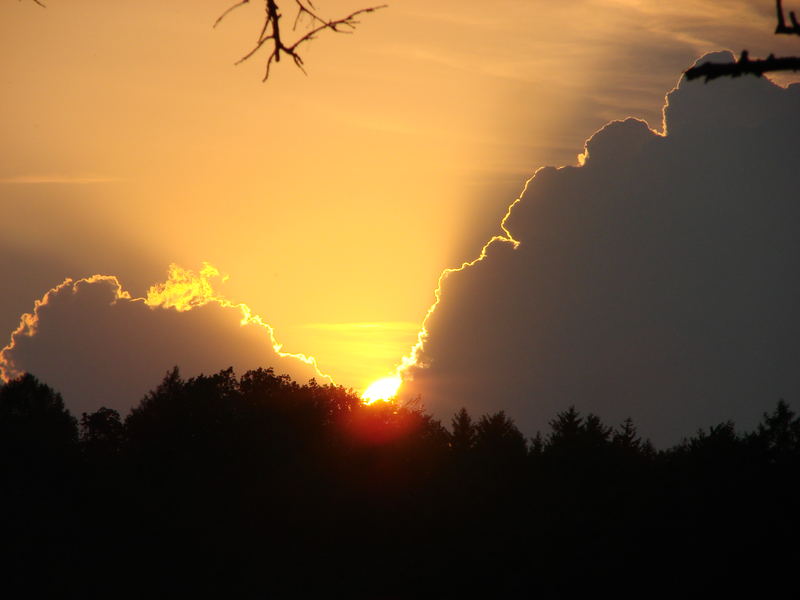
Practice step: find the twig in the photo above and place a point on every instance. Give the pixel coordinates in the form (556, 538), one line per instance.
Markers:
(271, 30)
(782, 27)
(230, 9)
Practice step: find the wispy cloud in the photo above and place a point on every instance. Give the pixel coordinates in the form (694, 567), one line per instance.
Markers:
(57, 179)
(365, 326)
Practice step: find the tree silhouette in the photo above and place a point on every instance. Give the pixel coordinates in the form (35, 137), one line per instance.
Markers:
(626, 437)
(744, 65)
(719, 444)
(34, 423)
(102, 428)
(39, 478)
(272, 34)
(462, 435)
(567, 426)
(497, 437)
(583, 449)
(257, 485)
(778, 435)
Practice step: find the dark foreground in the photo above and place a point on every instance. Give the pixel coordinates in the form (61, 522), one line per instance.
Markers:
(259, 487)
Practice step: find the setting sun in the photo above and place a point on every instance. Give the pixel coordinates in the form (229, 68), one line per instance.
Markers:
(382, 389)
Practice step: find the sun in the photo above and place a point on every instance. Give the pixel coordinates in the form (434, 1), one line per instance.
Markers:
(383, 389)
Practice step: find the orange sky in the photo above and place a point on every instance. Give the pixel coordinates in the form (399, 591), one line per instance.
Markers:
(333, 201)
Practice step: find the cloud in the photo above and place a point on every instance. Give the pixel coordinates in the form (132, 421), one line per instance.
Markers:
(99, 346)
(368, 326)
(57, 179)
(660, 280)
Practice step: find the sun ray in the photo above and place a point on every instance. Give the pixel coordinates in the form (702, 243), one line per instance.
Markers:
(413, 357)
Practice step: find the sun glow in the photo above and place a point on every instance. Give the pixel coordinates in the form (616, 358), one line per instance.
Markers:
(383, 389)
(386, 389)
(413, 358)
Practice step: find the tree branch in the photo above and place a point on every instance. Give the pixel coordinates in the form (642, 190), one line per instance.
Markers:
(782, 28)
(271, 32)
(744, 66)
(230, 9)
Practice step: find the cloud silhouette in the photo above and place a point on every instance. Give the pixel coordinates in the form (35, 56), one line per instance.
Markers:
(99, 346)
(659, 280)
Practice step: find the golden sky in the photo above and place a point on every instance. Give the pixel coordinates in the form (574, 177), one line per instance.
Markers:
(334, 200)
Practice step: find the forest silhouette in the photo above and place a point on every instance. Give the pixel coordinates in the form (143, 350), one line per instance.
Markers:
(259, 486)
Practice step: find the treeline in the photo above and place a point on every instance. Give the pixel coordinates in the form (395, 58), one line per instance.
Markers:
(257, 486)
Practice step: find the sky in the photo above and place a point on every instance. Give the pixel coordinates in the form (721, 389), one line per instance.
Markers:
(329, 203)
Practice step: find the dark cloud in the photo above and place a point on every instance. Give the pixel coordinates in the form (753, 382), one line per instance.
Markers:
(99, 347)
(661, 280)
(32, 271)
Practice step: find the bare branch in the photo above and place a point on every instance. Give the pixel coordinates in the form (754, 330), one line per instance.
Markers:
(230, 9)
(782, 28)
(302, 10)
(744, 66)
(271, 32)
